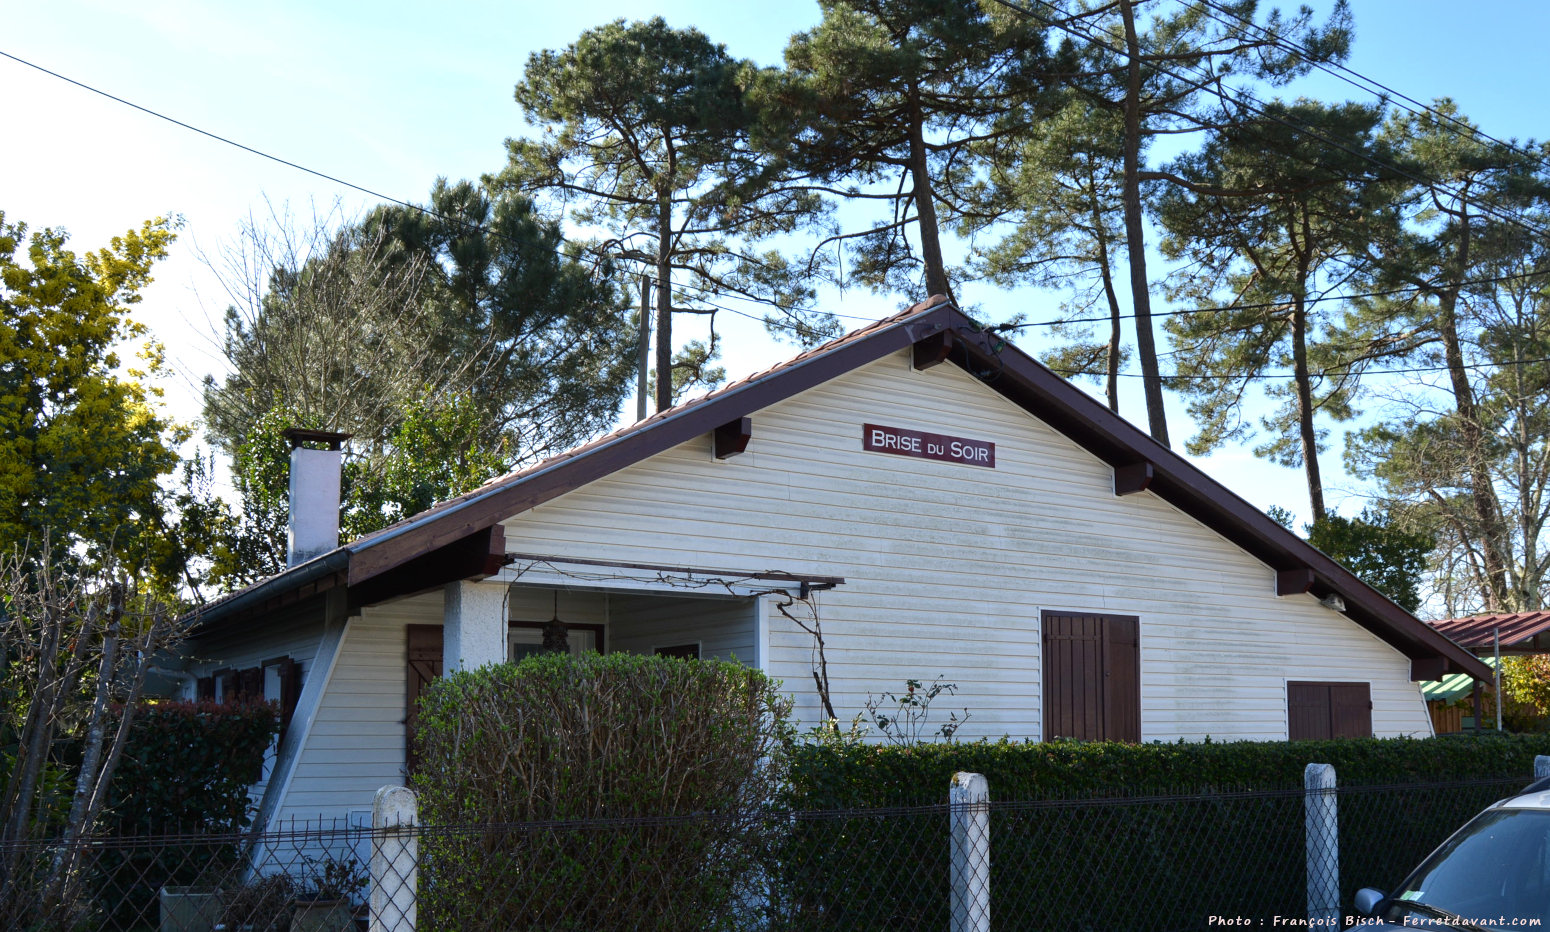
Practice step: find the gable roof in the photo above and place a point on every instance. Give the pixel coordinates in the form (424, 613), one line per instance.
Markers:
(461, 536)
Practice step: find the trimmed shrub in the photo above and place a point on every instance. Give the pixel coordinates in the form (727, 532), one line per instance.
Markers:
(186, 769)
(567, 741)
(839, 774)
(188, 765)
(1165, 829)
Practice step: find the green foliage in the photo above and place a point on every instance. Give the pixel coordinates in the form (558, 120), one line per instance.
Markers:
(1385, 556)
(188, 767)
(646, 137)
(840, 775)
(1096, 822)
(894, 93)
(85, 441)
(561, 738)
(1526, 680)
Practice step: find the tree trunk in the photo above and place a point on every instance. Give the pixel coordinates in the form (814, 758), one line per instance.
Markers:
(1111, 377)
(925, 204)
(1305, 429)
(664, 302)
(1135, 243)
(1482, 495)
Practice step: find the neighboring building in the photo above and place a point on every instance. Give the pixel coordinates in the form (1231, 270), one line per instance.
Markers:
(933, 499)
(1503, 634)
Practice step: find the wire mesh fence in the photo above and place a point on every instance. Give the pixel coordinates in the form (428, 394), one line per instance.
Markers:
(1180, 862)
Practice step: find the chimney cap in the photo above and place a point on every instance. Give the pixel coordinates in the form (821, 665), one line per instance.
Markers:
(298, 436)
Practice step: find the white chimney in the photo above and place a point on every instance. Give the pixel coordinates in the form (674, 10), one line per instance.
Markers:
(314, 522)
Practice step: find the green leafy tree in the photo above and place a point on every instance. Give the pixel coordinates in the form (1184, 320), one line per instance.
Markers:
(1472, 216)
(1267, 215)
(1430, 457)
(541, 342)
(885, 101)
(1183, 71)
(85, 442)
(1060, 190)
(433, 454)
(1384, 555)
(646, 140)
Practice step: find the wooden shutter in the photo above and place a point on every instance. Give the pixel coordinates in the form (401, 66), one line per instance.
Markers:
(204, 689)
(1315, 711)
(250, 685)
(1350, 710)
(425, 652)
(1092, 677)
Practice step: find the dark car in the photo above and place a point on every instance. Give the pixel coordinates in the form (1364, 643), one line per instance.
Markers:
(1494, 873)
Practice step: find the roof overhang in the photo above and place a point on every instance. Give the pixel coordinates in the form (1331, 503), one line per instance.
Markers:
(463, 536)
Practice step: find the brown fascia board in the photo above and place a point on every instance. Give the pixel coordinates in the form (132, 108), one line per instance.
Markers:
(1117, 442)
(380, 554)
(1002, 367)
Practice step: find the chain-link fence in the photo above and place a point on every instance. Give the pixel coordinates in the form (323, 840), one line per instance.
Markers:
(1182, 862)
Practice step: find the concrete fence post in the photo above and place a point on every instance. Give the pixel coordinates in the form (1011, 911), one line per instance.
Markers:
(1541, 766)
(969, 816)
(395, 859)
(1323, 841)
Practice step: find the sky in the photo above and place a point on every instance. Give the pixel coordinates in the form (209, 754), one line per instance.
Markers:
(390, 95)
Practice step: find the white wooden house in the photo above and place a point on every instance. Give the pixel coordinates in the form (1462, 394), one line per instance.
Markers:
(929, 497)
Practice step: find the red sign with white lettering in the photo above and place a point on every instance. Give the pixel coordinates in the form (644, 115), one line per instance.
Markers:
(901, 441)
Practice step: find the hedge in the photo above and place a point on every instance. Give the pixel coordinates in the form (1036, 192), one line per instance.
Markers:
(566, 742)
(1102, 836)
(840, 775)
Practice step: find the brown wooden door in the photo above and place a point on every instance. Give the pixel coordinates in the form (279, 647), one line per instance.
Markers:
(1315, 711)
(1092, 677)
(425, 652)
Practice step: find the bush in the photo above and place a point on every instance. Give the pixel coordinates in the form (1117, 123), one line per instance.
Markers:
(843, 774)
(561, 740)
(1099, 819)
(188, 765)
(186, 769)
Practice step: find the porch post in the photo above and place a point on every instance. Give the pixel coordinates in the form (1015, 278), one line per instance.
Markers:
(474, 632)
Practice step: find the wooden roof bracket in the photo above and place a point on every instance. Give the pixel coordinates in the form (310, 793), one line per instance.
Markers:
(933, 350)
(732, 437)
(1132, 478)
(1294, 581)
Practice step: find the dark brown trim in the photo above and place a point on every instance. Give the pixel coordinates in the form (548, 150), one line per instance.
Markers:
(372, 556)
(1294, 582)
(987, 357)
(732, 437)
(599, 632)
(1428, 668)
(933, 350)
(479, 555)
(300, 435)
(1132, 478)
(812, 582)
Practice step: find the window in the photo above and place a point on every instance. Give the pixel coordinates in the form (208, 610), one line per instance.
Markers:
(526, 638)
(1092, 677)
(1328, 710)
(681, 651)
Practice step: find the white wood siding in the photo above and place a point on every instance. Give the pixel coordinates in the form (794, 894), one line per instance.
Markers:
(948, 566)
(724, 628)
(357, 740)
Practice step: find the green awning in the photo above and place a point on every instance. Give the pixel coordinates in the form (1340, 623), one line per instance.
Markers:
(1452, 686)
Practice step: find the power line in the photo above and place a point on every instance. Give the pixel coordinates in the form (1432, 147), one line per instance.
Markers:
(1383, 91)
(1268, 376)
(1269, 305)
(465, 224)
(1255, 105)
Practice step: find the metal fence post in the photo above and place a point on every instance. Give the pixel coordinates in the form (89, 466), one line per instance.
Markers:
(1323, 840)
(395, 859)
(969, 815)
(1541, 766)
